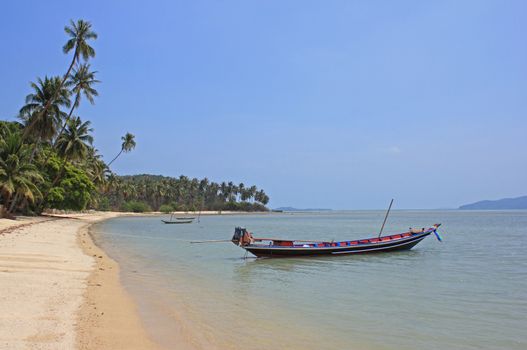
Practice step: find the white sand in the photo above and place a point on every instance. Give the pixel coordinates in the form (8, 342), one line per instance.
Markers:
(43, 277)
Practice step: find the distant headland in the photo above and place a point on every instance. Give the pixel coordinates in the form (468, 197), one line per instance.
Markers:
(505, 203)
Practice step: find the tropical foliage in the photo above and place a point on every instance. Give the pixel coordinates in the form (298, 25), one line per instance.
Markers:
(19, 178)
(48, 160)
(169, 194)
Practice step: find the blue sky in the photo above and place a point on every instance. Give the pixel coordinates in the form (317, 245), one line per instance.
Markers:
(338, 104)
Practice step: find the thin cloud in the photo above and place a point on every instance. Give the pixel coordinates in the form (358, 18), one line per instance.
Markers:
(393, 150)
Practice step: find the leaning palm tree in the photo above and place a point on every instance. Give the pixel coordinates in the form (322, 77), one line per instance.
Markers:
(18, 176)
(41, 123)
(81, 82)
(79, 32)
(74, 144)
(127, 145)
(261, 197)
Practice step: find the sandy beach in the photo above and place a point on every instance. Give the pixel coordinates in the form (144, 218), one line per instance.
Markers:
(60, 291)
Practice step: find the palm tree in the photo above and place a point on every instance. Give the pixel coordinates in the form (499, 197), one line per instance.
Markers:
(252, 192)
(112, 183)
(212, 194)
(224, 190)
(80, 81)
(261, 197)
(6, 127)
(79, 32)
(127, 145)
(75, 143)
(231, 190)
(241, 190)
(96, 169)
(17, 174)
(41, 122)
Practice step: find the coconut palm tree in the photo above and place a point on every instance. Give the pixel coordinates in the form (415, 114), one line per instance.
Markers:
(73, 145)
(79, 32)
(252, 192)
(261, 197)
(75, 142)
(18, 176)
(6, 127)
(224, 190)
(231, 191)
(96, 169)
(81, 82)
(40, 122)
(241, 190)
(127, 145)
(112, 183)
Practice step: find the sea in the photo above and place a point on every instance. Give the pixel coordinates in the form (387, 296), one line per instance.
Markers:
(467, 292)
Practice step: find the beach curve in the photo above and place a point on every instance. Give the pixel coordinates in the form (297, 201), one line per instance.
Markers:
(59, 290)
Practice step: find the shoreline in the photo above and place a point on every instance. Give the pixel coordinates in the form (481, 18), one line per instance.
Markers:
(108, 317)
(66, 214)
(59, 290)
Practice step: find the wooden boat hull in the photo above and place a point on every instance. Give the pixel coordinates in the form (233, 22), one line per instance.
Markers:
(177, 222)
(404, 243)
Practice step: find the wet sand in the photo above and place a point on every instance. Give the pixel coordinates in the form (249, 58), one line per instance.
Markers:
(108, 318)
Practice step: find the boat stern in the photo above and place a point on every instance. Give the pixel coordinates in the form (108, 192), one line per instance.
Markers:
(238, 235)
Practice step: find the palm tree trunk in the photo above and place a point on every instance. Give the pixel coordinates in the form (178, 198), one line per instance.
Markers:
(13, 203)
(4, 212)
(122, 149)
(75, 55)
(45, 110)
(61, 132)
(55, 180)
(65, 122)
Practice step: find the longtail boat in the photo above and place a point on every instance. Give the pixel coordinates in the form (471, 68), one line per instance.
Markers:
(271, 247)
(177, 222)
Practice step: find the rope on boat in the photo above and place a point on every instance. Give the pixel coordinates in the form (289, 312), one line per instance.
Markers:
(212, 241)
(149, 237)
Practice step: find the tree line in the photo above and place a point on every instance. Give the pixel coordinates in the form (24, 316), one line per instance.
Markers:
(48, 160)
(156, 192)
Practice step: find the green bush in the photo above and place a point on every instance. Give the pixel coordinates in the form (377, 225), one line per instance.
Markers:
(233, 206)
(241, 206)
(103, 204)
(166, 208)
(73, 192)
(135, 206)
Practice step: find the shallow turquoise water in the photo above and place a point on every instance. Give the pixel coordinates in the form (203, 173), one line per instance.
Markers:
(468, 292)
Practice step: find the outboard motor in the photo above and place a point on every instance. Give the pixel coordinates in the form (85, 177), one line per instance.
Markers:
(238, 235)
